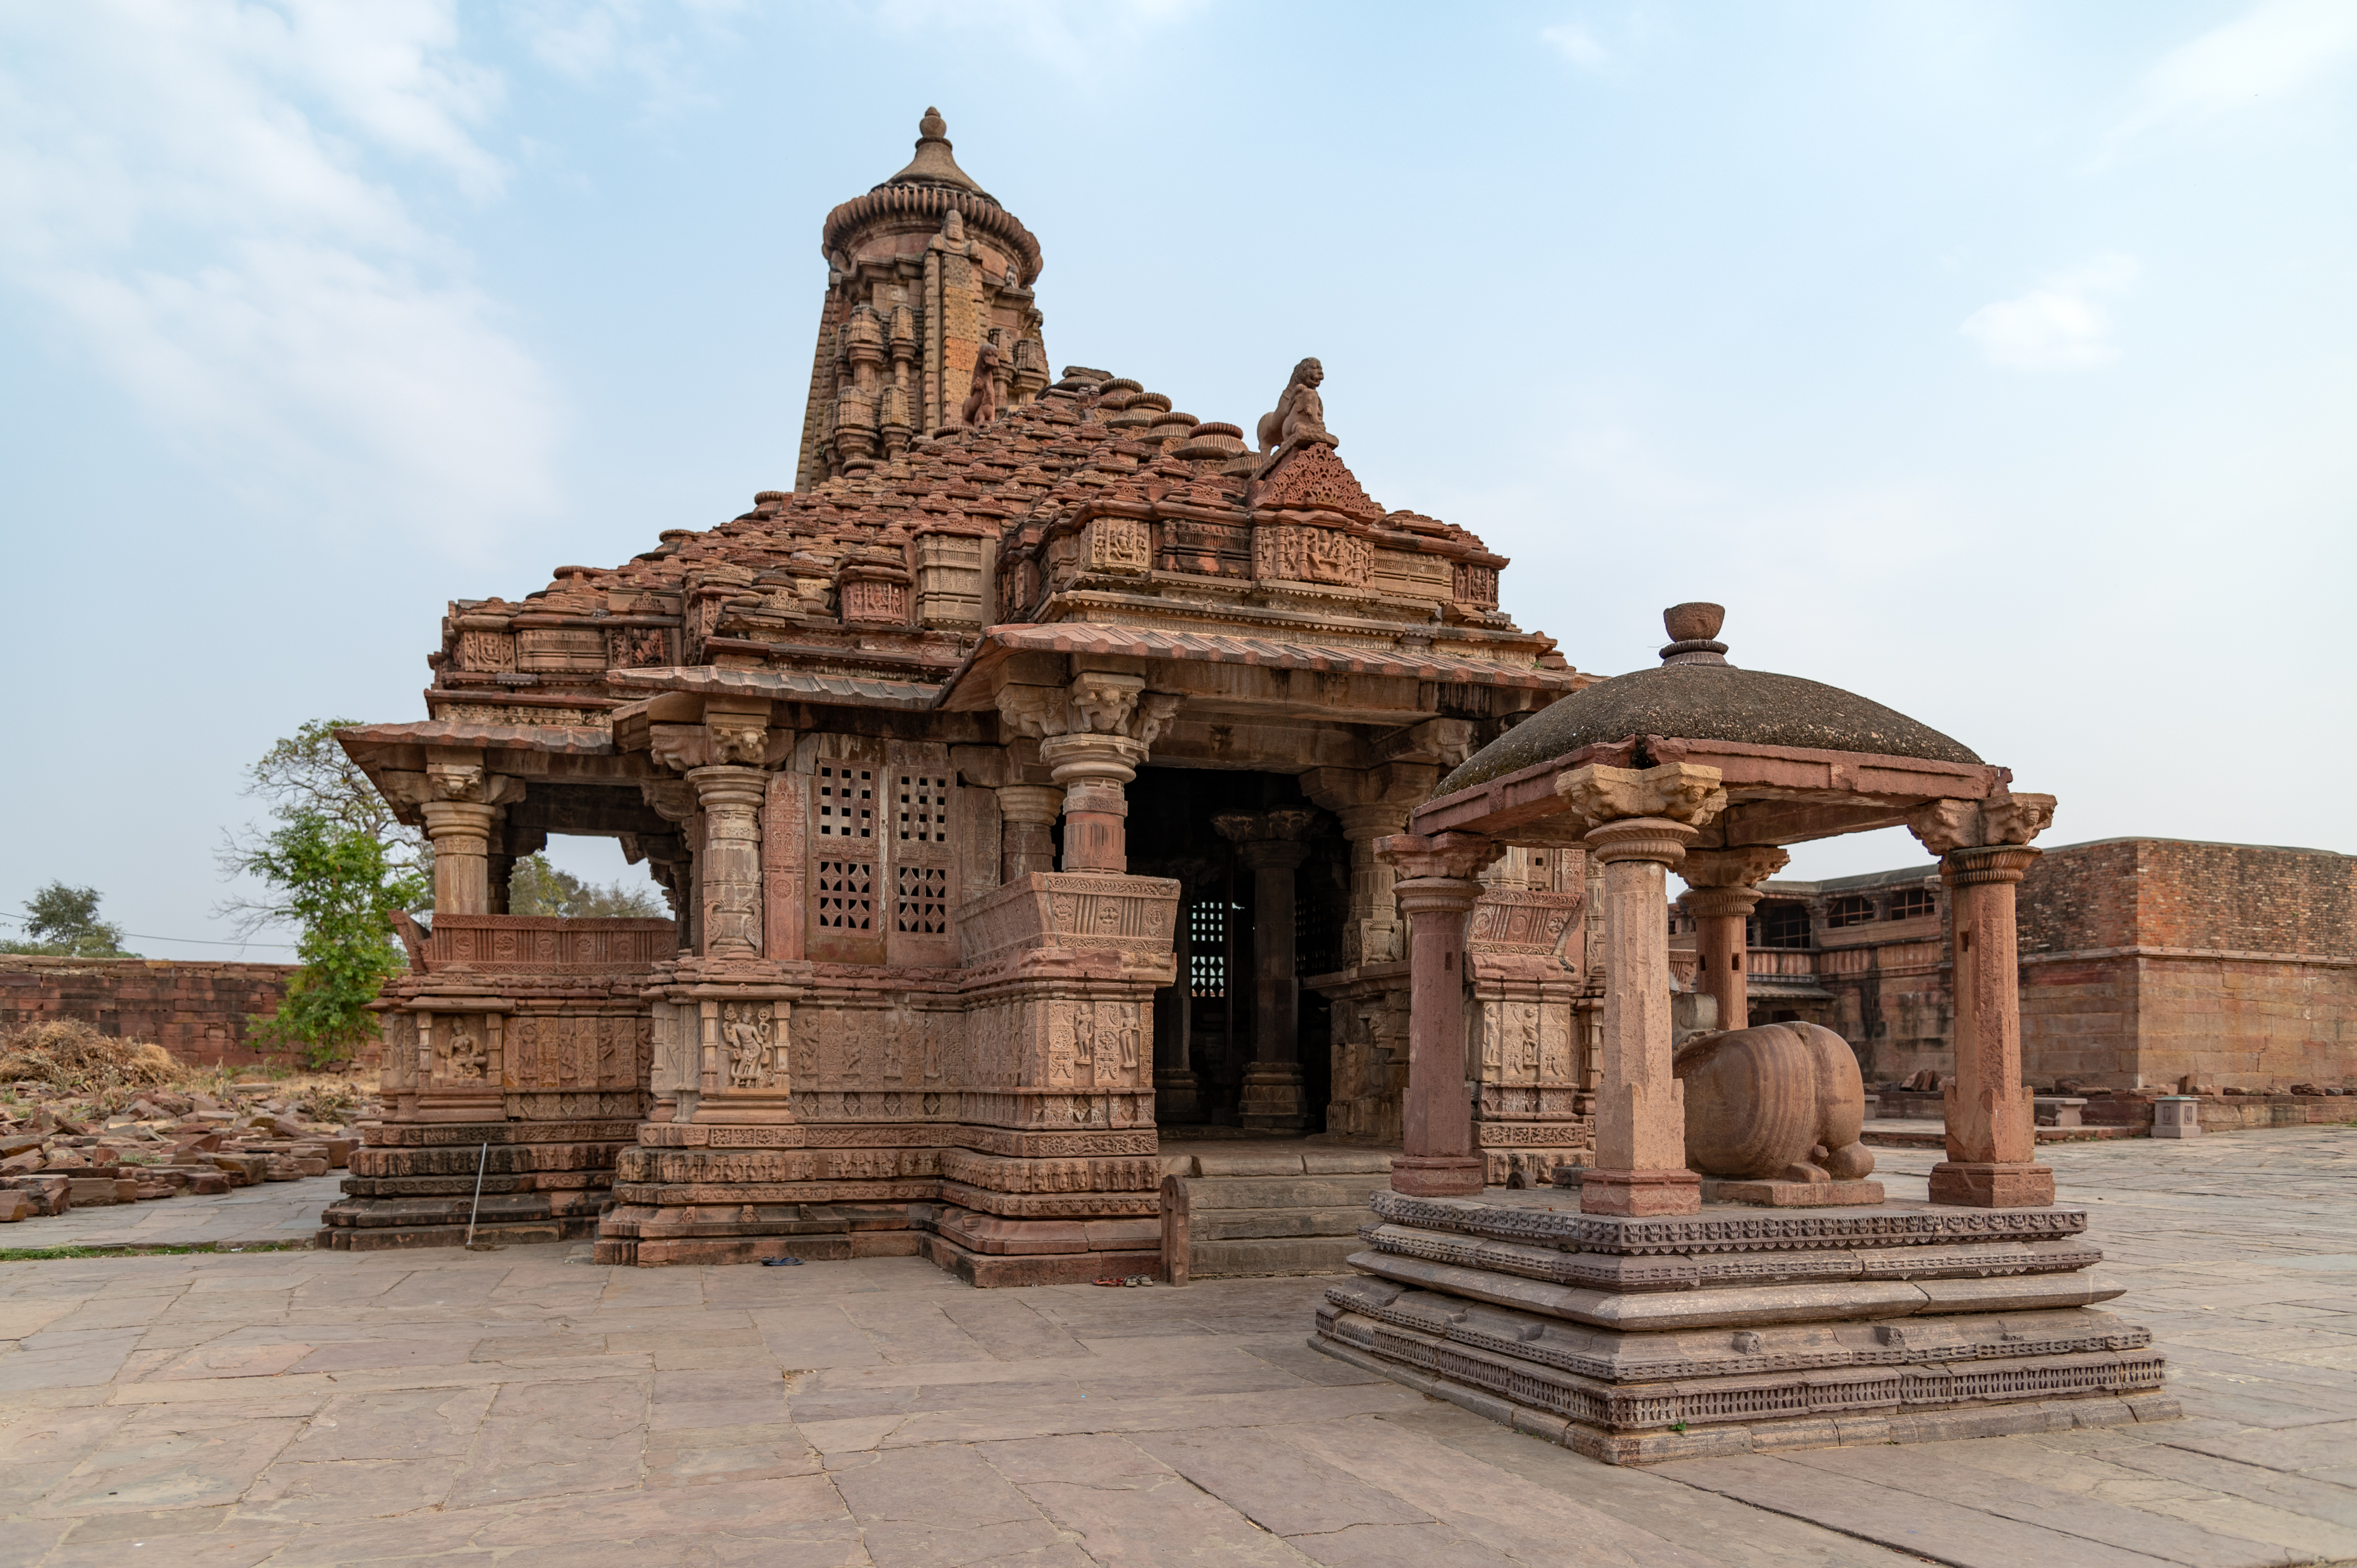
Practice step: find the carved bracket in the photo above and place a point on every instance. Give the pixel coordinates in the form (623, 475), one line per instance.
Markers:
(1941, 826)
(1677, 791)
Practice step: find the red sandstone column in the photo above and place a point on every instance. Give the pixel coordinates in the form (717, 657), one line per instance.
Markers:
(1092, 770)
(1992, 1142)
(1435, 891)
(1027, 840)
(1640, 1125)
(461, 834)
(1272, 844)
(731, 882)
(1720, 897)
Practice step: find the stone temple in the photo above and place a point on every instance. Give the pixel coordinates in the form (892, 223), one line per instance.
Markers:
(1053, 771)
(1016, 781)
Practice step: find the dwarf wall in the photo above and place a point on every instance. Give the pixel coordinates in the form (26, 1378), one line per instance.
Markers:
(196, 1011)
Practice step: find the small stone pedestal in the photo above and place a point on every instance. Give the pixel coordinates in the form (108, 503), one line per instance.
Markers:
(1638, 1339)
(2177, 1116)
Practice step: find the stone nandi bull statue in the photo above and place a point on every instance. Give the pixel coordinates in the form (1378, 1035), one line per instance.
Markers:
(1779, 1103)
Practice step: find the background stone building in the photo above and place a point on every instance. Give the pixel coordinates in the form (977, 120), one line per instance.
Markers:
(2143, 961)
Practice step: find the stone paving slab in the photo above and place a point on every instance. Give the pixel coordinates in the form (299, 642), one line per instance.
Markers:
(525, 1407)
(277, 1211)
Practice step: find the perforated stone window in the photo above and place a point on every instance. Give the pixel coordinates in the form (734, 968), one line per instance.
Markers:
(846, 799)
(846, 895)
(1207, 938)
(924, 900)
(922, 807)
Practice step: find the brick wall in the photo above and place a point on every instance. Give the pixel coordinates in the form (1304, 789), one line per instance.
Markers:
(2172, 893)
(196, 1011)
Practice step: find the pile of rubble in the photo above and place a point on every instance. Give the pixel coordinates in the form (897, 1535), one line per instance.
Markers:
(88, 1120)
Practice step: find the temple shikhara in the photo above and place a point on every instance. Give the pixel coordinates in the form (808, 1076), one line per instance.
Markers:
(1055, 789)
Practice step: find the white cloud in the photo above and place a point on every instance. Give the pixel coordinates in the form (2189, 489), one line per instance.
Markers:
(2268, 53)
(588, 41)
(1577, 44)
(2059, 326)
(197, 193)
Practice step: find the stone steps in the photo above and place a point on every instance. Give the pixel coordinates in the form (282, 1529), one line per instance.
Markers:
(1289, 1210)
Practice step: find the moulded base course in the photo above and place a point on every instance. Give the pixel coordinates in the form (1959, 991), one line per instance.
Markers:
(994, 1270)
(405, 1237)
(1717, 1441)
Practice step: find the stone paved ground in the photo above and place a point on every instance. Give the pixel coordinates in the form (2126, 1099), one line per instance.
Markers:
(277, 1211)
(524, 1408)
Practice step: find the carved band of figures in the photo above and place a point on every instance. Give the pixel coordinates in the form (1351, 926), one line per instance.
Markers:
(1294, 554)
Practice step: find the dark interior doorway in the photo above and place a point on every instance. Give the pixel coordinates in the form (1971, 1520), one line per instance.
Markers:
(1170, 833)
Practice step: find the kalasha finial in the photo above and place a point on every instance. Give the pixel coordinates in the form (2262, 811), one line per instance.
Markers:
(1691, 628)
(933, 128)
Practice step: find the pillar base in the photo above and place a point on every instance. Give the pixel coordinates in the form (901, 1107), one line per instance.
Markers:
(1639, 1192)
(1178, 1096)
(1436, 1175)
(1272, 1097)
(1980, 1184)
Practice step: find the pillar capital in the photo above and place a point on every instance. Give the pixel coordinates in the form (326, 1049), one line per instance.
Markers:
(1657, 838)
(1742, 867)
(1091, 758)
(2004, 818)
(729, 784)
(1971, 866)
(1451, 856)
(460, 831)
(1717, 903)
(1680, 792)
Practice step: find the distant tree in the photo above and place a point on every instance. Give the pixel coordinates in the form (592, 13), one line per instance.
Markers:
(537, 888)
(337, 864)
(62, 922)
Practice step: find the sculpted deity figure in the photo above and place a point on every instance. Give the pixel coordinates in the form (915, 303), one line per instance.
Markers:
(463, 1057)
(746, 1035)
(982, 402)
(1301, 413)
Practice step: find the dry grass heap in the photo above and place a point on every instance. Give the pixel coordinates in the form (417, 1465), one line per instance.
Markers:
(70, 1054)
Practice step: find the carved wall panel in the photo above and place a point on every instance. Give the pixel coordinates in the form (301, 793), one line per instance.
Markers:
(1408, 574)
(1130, 915)
(874, 602)
(1120, 544)
(785, 865)
(578, 1051)
(536, 944)
(492, 652)
(1206, 549)
(637, 648)
(756, 1048)
(561, 650)
(397, 1065)
(1516, 921)
(975, 827)
(1475, 587)
(950, 584)
(1294, 554)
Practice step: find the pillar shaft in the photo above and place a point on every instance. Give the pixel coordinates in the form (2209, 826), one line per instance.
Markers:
(461, 833)
(1092, 770)
(1436, 890)
(1641, 1107)
(1372, 935)
(1027, 829)
(1720, 914)
(730, 884)
(1992, 1142)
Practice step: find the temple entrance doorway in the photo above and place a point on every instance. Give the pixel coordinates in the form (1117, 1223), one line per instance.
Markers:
(1263, 881)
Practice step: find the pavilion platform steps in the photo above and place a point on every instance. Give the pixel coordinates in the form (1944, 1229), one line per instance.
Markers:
(1263, 1210)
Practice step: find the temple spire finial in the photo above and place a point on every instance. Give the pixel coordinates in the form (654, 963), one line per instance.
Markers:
(933, 164)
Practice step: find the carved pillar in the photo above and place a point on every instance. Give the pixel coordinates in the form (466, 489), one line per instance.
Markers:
(1092, 770)
(1640, 1123)
(674, 800)
(1992, 1139)
(1027, 834)
(1983, 849)
(1723, 883)
(461, 833)
(1273, 844)
(731, 884)
(1437, 889)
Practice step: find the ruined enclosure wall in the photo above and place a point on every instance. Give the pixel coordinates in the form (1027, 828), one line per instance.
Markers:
(196, 1011)
(2168, 892)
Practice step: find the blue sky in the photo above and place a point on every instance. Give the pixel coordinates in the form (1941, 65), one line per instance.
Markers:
(1998, 361)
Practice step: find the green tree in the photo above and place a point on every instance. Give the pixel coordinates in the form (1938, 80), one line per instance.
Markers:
(62, 922)
(537, 888)
(338, 864)
(339, 884)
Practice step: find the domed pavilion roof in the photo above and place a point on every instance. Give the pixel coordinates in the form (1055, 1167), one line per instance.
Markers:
(1695, 694)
